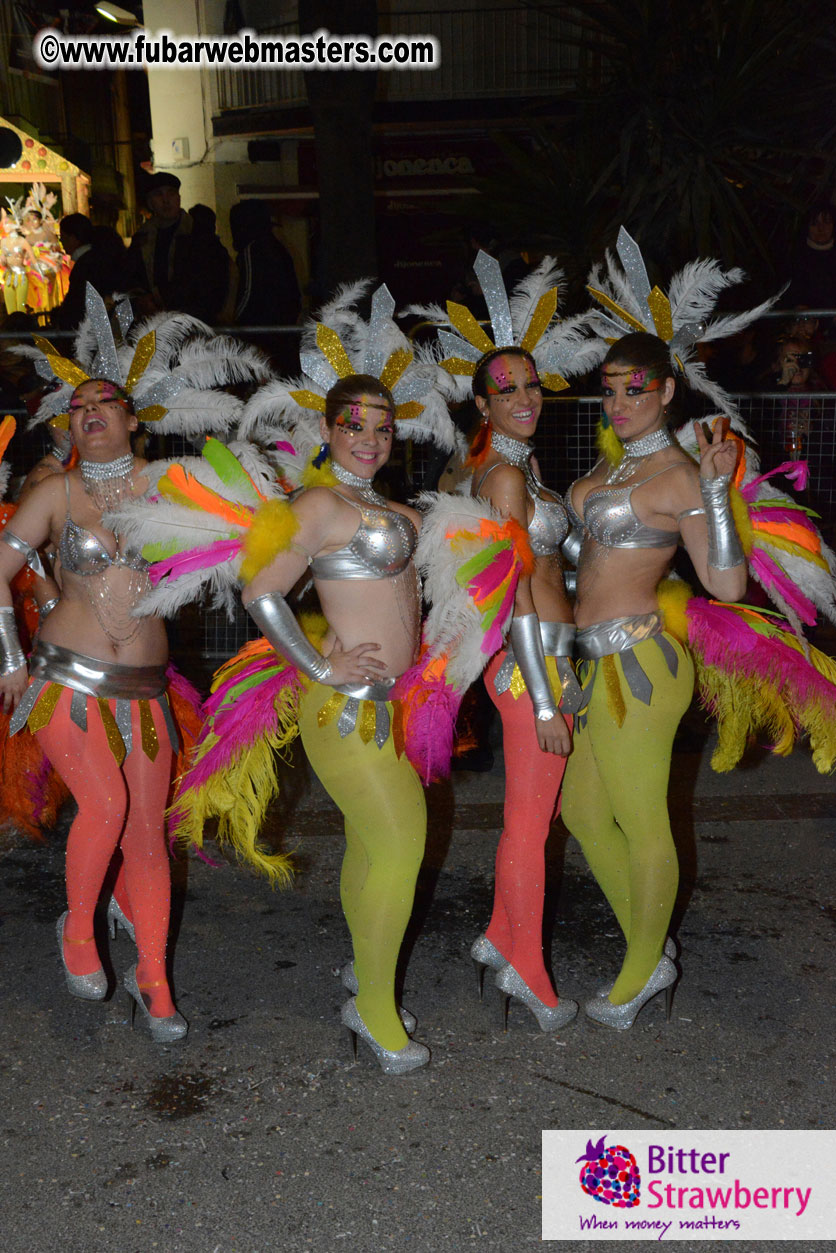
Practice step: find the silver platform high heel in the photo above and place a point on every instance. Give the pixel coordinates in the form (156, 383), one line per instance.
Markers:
(391, 1061)
(163, 1030)
(348, 978)
(116, 919)
(549, 1017)
(669, 950)
(91, 987)
(485, 955)
(621, 1017)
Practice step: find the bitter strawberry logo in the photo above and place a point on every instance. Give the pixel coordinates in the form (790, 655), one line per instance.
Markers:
(609, 1174)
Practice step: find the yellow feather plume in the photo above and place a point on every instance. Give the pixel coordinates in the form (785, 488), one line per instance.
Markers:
(742, 521)
(673, 596)
(271, 533)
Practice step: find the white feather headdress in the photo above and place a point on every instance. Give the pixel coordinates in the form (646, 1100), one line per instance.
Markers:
(173, 366)
(526, 320)
(680, 318)
(339, 343)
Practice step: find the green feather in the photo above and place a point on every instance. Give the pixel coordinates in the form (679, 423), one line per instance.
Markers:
(229, 469)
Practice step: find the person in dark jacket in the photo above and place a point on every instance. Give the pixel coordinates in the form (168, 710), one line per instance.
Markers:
(175, 266)
(268, 289)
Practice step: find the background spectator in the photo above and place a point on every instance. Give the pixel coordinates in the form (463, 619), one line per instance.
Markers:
(268, 289)
(173, 264)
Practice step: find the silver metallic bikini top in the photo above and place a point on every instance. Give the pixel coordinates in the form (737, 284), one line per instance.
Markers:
(381, 547)
(549, 525)
(83, 553)
(610, 519)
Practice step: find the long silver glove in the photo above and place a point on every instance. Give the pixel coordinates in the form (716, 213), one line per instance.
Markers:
(528, 650)
(11, 654)
(724, 548)
(275, 619)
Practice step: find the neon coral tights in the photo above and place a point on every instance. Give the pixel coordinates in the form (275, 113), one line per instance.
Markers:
(532, 786)
(118, 806)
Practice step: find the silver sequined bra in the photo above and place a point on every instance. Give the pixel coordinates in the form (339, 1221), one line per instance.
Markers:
(609, 517)
(549, 524)
(381, 547)
(83, 553)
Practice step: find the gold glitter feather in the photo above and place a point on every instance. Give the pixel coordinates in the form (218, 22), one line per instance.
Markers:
(540, 318)
(151, 413)
(458, 365)
(554, 382)
(331, 346)
(409, 409)
(143, 353)
(148, 732)
(309, 400)
(660, 307)
(615, 699)
(61, 421)
(61, 367)
(44, 707)
(330, 709)
(467, 326)
(368, 721)
(397, 728)
(395, 367)
(617, 309)
(114, 737)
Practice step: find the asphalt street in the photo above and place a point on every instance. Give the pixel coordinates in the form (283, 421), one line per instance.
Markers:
(260, 1132)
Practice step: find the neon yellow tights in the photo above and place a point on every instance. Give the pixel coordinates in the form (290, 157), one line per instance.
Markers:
(615, 801)
(382, 801)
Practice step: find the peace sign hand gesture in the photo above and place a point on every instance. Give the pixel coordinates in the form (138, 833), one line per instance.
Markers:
(718, 455)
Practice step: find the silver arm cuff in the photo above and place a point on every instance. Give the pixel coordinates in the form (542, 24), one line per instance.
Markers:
(275, 619)
(29, 553)
(531, 659)
(724, 548)
(11, 654)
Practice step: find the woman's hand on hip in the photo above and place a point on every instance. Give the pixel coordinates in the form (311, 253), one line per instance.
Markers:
(355, 665)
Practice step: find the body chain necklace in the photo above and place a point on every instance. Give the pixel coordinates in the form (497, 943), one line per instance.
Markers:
(108, 483)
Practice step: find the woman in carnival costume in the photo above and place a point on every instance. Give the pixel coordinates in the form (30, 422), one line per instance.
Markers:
(31, 794)
(48, 284)
(17, 259)
(643, 497)
(334, 681)
(529, 678)
(103, 717)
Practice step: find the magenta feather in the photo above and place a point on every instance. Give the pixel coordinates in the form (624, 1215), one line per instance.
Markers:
(184, 690)
(430, 709)
(724, 639)
(796, 471)
(195, 559)
(771, 575)
(774, 513)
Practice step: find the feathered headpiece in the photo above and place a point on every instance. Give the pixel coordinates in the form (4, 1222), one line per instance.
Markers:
(680, 318)
(7, 430)
(13, 215)
(41, 201)
(172, 365)
(336, 345)
(526, 320)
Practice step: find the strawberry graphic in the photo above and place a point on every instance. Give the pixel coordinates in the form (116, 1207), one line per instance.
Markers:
(610, 1174)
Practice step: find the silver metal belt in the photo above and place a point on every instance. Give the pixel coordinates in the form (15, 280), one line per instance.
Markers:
(616, 636)
(620, 636)
(88, 676)
(379, 691)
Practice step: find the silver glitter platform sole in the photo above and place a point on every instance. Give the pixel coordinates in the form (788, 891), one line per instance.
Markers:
(391, 1061)
(549, 1017)
(621, 1017)
(163, 1030)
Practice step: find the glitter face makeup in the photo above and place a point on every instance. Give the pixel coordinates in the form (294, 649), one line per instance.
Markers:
(503, 379)
(106, 393)
(353, 417)
(514, 396)
(638, 380)
(362, 434)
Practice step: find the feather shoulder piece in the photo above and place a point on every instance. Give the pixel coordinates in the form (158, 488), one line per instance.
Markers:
(206, 523)
(250, 718)
(471, 560)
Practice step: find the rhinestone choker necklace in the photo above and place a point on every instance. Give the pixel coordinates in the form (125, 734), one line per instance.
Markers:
(513, 450)
(108, 483)
(635, 450)
(363, 487)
